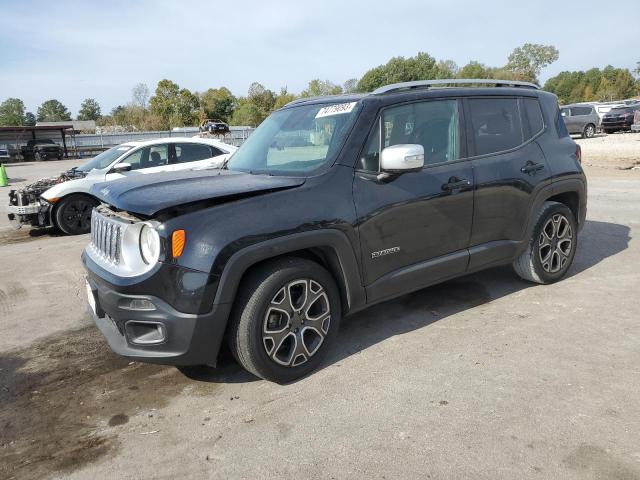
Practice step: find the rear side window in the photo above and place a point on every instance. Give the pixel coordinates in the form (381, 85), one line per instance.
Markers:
(192, 152)
(580, 111)
(534, 116)
(496, 124)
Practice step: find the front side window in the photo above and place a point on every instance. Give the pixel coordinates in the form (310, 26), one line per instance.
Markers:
(296, 140)
(496, 124)
(104, 159)
(192, 152)
(148, 157)
(432, 124)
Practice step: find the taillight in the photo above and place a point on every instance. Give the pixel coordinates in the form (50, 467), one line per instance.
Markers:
(578, 153)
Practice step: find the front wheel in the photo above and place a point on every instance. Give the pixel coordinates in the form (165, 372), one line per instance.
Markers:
(73, 214)
(285, 319)
(552, 247)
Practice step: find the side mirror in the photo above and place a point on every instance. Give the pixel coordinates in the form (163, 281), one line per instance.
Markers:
(121, 167)
(402, 158)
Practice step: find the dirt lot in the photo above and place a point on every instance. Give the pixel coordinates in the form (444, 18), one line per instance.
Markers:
(482, 377)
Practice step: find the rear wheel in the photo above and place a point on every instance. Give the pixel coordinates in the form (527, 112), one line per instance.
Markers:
(589, 131)
(285, 319)
(73, 214)
(552, 246)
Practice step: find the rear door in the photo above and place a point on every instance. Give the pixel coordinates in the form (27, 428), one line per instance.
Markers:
(414, 228)
(509, 169)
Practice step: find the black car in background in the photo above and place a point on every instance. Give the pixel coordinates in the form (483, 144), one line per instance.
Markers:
(214, 126)
(619, 119)
(41, 149)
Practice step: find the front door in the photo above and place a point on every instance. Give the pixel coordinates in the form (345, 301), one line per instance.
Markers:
(151, 159)
(414, 228)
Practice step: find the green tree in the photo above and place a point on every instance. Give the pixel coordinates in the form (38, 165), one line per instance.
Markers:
(474, 69)
(399, 69)
(217, 103)
(593, 85)
(263, 98)
(89, 110)
(317, 88)
(163, 102)
(283, 98)
(174, 107)
(12, 112)
(53, 111)
(186, 109)
(247, 114)
(447, 69)
(29, 119)
(527, 61)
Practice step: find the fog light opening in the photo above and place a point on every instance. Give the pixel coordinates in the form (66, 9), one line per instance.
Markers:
(145, 333)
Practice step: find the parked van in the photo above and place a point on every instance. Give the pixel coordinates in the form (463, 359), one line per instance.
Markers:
(581, 119)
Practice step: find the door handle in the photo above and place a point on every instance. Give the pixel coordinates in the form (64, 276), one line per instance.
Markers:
(455, 183)
(531, 167)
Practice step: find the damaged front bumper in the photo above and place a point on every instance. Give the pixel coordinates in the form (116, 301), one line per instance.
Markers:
(35, 214)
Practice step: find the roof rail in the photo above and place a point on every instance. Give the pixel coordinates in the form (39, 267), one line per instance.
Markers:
(394, 87)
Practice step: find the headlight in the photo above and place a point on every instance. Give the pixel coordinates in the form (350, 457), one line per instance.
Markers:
(149, 244)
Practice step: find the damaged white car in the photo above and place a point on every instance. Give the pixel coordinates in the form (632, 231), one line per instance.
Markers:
(65, 201)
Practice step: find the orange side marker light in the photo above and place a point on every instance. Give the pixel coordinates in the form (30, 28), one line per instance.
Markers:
(178, 241)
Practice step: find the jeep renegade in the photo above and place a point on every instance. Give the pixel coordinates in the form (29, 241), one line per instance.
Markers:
(334, 204)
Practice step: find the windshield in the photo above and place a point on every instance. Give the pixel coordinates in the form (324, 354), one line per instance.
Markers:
(296, 140)
(104, 159)
(620, 110)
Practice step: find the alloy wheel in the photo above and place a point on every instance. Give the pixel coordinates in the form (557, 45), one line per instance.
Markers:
(555, 243)
(296, 322)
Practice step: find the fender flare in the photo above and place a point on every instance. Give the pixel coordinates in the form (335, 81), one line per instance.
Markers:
(341, 260)
(570, 185)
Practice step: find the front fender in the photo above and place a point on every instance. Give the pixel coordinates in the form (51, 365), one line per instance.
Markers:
(341, 259)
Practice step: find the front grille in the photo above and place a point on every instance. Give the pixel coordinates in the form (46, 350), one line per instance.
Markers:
(106, 237)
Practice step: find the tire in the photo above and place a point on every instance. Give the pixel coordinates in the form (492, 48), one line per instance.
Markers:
(37, 157)
(297, 343)
(73, 214)
(551, 249)
(589, 131)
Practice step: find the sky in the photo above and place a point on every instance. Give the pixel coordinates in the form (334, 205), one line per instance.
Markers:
(71, 50)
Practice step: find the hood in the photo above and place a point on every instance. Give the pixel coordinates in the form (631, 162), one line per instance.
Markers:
(151, 193)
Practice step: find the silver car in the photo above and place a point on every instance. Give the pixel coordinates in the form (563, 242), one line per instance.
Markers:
(581, 119)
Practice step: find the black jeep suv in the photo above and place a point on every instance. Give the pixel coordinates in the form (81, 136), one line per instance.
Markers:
(331, 205)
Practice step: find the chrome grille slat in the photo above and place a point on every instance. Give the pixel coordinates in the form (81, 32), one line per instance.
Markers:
(106, 237)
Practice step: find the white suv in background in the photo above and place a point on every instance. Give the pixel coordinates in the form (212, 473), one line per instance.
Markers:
(65, 201)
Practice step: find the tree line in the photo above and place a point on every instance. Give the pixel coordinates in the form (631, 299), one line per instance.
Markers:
(172, 106)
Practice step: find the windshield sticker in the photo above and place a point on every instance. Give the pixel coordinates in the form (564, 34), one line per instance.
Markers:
(338, 109)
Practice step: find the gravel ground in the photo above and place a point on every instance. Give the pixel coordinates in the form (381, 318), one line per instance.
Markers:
(482, 377)
(619, 150)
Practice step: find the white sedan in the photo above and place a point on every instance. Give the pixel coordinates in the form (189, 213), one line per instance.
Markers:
(65, 201)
